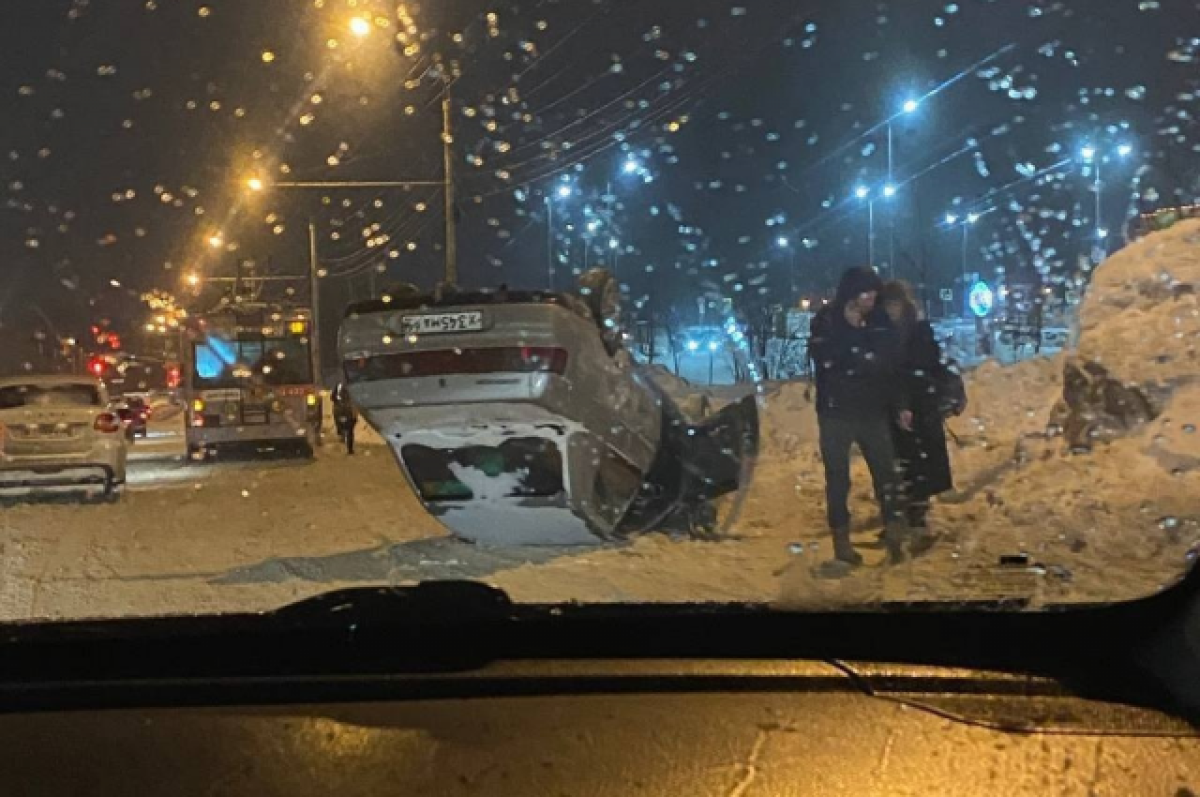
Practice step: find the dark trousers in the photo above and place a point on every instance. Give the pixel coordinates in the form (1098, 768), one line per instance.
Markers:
(346, 432)
(874, 438)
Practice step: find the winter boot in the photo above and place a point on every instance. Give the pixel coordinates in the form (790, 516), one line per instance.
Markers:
(895, 540)
(843, 551)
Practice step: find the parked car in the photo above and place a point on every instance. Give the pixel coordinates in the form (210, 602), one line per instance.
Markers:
(134, 414)
(57, 433)
(516, 422)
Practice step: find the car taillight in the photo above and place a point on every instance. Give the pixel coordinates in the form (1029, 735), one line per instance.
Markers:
(107, 423)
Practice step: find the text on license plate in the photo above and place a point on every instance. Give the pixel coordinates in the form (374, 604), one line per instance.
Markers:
(441, 322)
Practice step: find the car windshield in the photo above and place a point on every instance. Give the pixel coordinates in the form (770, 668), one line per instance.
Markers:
(839, 305)
(273, 361)
(42, 395)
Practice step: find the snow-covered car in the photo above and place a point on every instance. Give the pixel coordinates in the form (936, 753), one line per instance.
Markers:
(57, 433)
(515, 423)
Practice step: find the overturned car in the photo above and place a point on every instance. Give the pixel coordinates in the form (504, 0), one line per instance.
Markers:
(517, 421)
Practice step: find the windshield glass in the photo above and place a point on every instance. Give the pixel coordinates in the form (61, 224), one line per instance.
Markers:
(223, 363)
(79, 395)
(831, 305)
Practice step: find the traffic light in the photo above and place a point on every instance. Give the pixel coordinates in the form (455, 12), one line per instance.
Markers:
(96, 367)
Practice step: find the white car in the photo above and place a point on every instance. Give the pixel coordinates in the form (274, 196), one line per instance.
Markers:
(58, 434)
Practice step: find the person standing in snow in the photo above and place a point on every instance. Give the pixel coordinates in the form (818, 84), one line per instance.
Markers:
(855, 352)
(921, 451)
(345, 417)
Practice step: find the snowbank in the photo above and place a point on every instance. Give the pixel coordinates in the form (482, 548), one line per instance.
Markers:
(1141, 316)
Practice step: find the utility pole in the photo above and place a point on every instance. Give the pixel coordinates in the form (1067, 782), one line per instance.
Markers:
(314, 287)
(549, 243)
(448, 187)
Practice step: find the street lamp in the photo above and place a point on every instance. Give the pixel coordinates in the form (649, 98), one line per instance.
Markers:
(564, 191)
(359, 27)
(630, 166)
(966, 223)
(911, 105)
(216, 241)
(783, 242)
(256, 184)
(889, 191)
(862, 192)
(1092, 155)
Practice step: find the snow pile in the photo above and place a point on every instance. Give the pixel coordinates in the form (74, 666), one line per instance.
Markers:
(1141, 316)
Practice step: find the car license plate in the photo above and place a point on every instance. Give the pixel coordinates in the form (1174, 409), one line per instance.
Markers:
(438, 323)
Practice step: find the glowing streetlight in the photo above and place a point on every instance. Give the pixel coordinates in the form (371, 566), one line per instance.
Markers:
(192, 279)
(951, 219)
(256, 184)
(613, 243)
(889, 190)
(862, 192)
(216, 241)
(911, 105)
(360, 27)
(564, 191)
(630, 166)
(1088, 152)
(1125, 150)
(972, 218)
(782, 242)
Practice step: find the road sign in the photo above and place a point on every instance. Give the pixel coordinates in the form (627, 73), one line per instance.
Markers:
(947, 295)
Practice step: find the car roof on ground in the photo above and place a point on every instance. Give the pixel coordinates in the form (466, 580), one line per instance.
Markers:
(49, 380)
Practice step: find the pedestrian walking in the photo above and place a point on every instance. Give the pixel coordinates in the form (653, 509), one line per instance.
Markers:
(855, 351)
(345, 417)
(921, 451)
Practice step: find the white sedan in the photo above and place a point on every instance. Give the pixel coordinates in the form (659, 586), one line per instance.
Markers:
(58, 434)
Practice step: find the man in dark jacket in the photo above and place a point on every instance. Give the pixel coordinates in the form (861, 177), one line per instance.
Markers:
(345, 417)
(855, 352)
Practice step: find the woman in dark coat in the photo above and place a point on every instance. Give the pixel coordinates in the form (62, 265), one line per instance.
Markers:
(921, 453)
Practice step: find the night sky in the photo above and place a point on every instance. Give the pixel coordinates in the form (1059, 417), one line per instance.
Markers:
(724, 129)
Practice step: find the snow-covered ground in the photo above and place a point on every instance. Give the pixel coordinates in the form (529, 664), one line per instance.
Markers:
(1118, 523)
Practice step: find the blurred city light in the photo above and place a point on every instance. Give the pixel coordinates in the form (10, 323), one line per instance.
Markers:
(911, 105)
(1125, 150)
(360, 27)
(564, 191)
(1088, 153)
(782, 242)
(889, 190)
(951, 219)
(862, 192)
(256, 184)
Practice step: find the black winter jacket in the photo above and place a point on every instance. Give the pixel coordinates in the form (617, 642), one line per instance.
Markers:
(858, 369)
